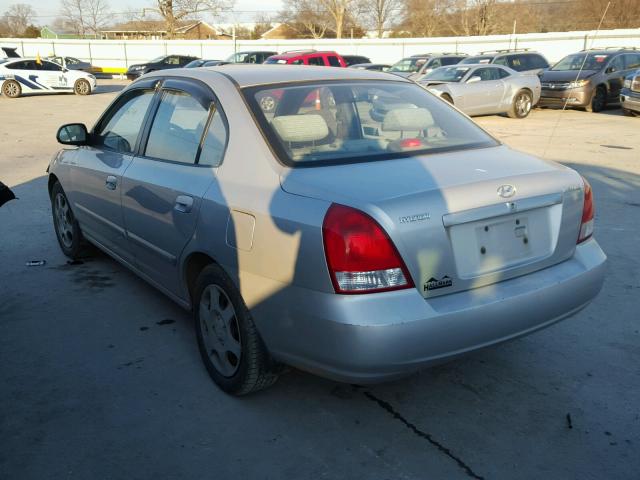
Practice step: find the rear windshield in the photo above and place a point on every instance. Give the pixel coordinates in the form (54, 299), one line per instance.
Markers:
(447, 74)
(276, 61)
(478, 59)
(582, 61)
(342, 122)
(408, 65)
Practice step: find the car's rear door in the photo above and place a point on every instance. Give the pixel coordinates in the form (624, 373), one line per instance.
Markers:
(96, 179)
(164, 185)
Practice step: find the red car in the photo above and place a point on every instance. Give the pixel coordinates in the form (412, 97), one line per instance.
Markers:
(308, 57)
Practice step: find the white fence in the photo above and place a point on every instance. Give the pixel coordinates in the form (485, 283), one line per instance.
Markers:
(115, 55)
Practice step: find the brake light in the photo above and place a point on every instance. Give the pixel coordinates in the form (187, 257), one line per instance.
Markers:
(410, 143)
(586, 226)
(360, 255)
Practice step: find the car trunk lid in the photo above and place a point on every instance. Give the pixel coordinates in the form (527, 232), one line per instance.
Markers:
(446, 215)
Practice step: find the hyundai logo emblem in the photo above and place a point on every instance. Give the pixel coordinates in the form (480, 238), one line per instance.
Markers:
(506, 191)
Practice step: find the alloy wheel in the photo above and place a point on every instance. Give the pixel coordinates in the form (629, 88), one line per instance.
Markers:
(64, 220)
(523, 104)
(220, 331)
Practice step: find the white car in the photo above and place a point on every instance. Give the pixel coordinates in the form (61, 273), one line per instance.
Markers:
(485, 89)
(30, 75)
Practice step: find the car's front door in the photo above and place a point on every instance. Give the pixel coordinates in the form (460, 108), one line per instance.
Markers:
(164, 185)
(97, 177)
(484, 96)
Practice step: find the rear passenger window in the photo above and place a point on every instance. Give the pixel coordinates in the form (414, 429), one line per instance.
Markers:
(333, 61)
(502, 73)
(632, 60)
(177, 128)
(119, 130)
(298, 62)
(315, 61)
(537, 61)
(214, 142)
(450, 61)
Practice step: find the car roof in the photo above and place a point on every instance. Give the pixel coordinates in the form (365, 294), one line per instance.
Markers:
(251, 75)
(302, 53)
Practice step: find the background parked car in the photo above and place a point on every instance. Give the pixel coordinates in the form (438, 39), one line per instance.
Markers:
(380, 67)
(355, 59)
(589, 79)
(33, 75)
(251, 56)
(522, 61)
(630, 94)
(307, 57)
(485, 89)
(163, 62)
(437, 60)
(409, 65)
(72, 63)
(203, 63)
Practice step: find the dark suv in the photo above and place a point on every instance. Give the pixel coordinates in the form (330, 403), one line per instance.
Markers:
(161, 63)
(518, 60)
(588, 79)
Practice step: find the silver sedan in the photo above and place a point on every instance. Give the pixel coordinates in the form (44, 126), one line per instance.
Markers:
(485, 89)
(361, 230)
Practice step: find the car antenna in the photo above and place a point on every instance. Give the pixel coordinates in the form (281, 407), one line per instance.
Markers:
(566, 100)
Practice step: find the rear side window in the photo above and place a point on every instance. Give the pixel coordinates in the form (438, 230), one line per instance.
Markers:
(502, 73)
(177, 128)
(537, 61)
(215, 142)
(487, 74)
(333, 61)
(315, 61)
(632, 60)
(295, 62)
(450, 60)
(120, 128)
(19, 65)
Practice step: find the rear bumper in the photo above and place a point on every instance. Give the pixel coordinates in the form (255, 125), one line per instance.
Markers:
(372, 338)
(576, 97)
(630, 100)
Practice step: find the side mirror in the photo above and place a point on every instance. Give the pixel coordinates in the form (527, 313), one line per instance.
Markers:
(610, 70)
(73, 134)
(474, 79)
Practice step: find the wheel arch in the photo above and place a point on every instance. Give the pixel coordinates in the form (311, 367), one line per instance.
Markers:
(52, 180)
(192, 266)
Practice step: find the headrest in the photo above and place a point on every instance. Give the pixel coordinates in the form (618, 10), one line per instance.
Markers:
(300, 128)
(402, 119)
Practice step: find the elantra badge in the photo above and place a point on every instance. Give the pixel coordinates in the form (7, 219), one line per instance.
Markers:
(506, 191)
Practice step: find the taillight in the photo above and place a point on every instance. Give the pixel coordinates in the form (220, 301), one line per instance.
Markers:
(360, 255)
(586, 226)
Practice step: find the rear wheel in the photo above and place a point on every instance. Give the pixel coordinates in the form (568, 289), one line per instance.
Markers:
(66, 226)
(229, 343)
(598, 100)
(82, 87)
(521, 105)
(11, 89)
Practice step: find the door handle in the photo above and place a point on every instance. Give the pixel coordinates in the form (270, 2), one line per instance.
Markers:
(183, 203)
(111, 182)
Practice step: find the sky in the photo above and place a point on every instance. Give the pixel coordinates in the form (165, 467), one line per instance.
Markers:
(246, 10)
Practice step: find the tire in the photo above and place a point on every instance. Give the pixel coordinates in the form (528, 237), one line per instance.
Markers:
(231, 348)
(598, 100)
(82, 87)
(521, 105)
(447, 97)
(11, 89)
(65, 224)
(268, 104)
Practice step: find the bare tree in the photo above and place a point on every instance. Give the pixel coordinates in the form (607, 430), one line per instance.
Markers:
(17, 18)
(172, 11)
(339, 10)
(73, 11)
(378, 13)
(306, 16)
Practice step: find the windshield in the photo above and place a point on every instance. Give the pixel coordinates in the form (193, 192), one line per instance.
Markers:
(276, 61)
(409, 65)
(342, 122)
(194, 64)
(447, 74)
(591, 61)
(478, 59)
